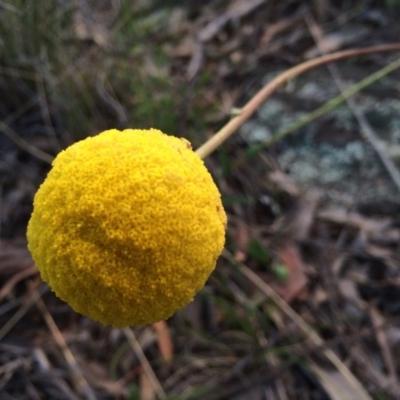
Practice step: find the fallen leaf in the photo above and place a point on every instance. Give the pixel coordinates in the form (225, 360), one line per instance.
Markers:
(147, 391)
(242, 241)
(164, 340)
(284, 183)
(237, 10)
(337, 385)
(297, 280)
(273, 29)
(337, 40)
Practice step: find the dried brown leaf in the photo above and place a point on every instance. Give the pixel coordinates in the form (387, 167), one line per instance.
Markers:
(273, 29)
(237, 10)
(242, 241)
(387, 354)
(368, 226)
(337, 40)
(284, 183)
(147, 391)
(304, 217)
(297, 280)
(336, 385)
(164, 340)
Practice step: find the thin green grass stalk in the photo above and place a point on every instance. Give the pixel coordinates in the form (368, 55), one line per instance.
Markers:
(329, 106)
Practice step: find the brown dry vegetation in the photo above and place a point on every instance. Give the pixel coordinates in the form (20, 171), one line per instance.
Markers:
(305, 300)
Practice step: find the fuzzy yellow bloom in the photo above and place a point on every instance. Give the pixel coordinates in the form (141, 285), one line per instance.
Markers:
(127, 226)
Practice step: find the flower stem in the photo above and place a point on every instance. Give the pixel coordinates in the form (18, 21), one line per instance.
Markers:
(247, 111)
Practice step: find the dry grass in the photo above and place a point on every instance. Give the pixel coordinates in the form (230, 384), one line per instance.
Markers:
(305, 302)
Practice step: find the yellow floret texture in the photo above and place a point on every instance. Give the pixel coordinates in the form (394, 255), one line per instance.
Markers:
(127, 226)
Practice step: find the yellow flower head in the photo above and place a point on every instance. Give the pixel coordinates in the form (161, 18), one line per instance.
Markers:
(127, 226)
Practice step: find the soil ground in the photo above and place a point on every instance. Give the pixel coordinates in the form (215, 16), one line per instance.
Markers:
(305, 301)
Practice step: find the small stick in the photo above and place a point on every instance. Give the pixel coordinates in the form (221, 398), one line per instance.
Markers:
(145, 362)
(12, 135)
(9, 285)
(387, 353)
(300, 322)
(247, 111)
(330, 105)
(29, 302)
(76, 373)
(366, 130)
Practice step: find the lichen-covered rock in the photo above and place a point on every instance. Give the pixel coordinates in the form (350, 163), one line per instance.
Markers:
(127, 226)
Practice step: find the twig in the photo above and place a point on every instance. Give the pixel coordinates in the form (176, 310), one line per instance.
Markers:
(387, 354)
(301, 323)
(366, 129)
(79, 379)
(330, 105)
(11, 134)
(245, 113)
(145, 362)
(9, 285)
(371, 372)
(29, 302)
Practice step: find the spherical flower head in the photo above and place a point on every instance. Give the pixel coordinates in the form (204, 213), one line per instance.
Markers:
(127, 226)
